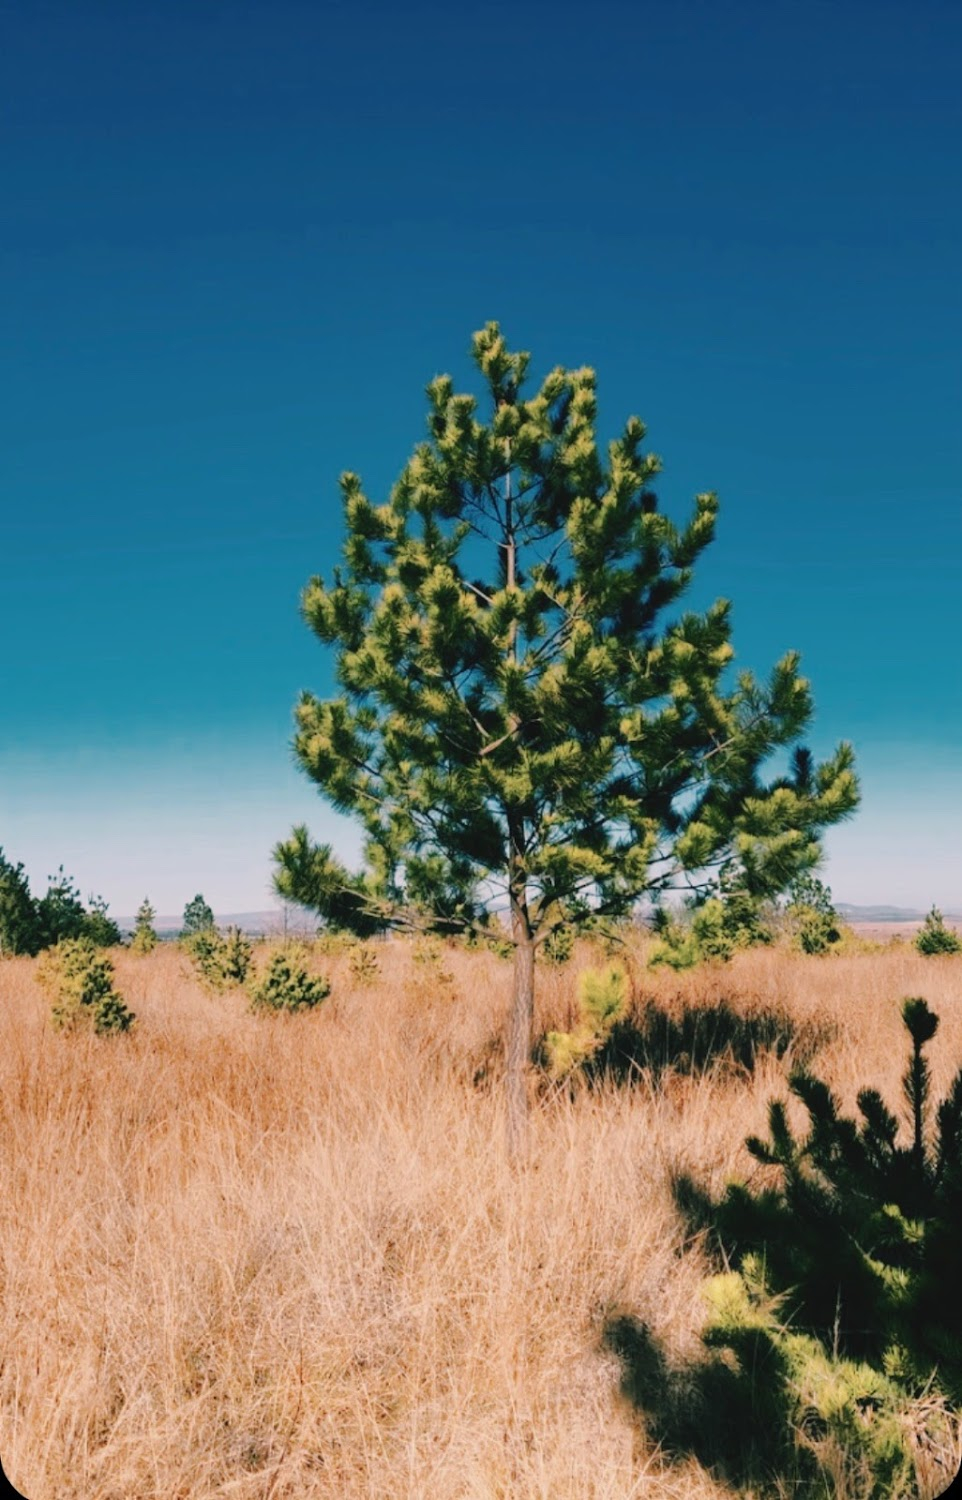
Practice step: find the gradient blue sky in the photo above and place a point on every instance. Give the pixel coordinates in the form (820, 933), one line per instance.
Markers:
(238, 239)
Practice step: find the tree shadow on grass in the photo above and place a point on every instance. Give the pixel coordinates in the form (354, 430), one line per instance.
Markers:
(649, 1044)
(734, 1417)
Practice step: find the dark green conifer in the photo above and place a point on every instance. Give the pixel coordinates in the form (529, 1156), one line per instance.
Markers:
(934, 937)
(19, 919)
(198, 917)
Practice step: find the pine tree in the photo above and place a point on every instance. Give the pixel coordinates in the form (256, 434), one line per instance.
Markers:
(935, 937)
(60, 910)
(19, 920)
(99, 925)
(198, 917)
(516, 718)
(145, 938)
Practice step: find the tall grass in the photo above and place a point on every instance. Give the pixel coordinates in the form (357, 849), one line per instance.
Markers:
(249, 1257)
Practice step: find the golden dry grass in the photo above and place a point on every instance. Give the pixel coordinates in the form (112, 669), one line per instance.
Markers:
(269, 1258)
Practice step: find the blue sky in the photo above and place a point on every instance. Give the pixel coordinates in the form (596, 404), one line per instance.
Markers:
(238, 239)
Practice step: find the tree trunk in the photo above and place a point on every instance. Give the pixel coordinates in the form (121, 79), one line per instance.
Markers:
(518, 1047)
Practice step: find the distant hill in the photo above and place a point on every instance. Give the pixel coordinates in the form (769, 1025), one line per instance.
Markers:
(254, 923)
(270, 922)
(887, 913)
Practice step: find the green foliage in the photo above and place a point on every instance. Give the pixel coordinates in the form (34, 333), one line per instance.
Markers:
(602, 997)
(934, 937)
(80, 978)
(60, 911)
(288, 987)
(198, 917)
(62, 915)
(748, 917)
(559, 945)
(714, 928)
(815, 1412)
(27, 926)
(234, 957)
(19, 920)
(860, 1235)
(517, 711)
(364, 965)
(99, 926)
(489, 937)
(814, 921)
(144, 938)
(705, 935)
(543, 724)
(223, 960)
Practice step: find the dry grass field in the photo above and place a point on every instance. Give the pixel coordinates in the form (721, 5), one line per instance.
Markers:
(274, 1258)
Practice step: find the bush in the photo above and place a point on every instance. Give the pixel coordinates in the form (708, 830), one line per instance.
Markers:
(559, 945)
(814, 1415)
(860, 1236)
(934, 937)
(144, 938)
(288, 987)
(602, 996)
(843, 1341)
(198, 917)
(364, 965)
(814, 922)
(99, 926)
(223, 960)
(19, 921)
(81, 981)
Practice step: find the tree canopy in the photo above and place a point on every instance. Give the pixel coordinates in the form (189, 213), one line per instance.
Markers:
(519, 722)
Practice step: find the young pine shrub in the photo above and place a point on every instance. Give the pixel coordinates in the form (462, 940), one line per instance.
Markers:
(682, 945)
(934, 937)
(80, 979)
(234, 958)
(144, 938)
(222, 960)
(287, 986)
(856, 1244)
(559, 945)
(809, 1415)
(364, 965)
(602, 997)
(814, 922)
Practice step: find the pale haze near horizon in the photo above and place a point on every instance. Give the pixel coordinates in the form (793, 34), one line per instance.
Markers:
(205, 819)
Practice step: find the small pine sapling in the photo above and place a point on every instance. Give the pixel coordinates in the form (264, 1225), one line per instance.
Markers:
(19, 920)
(234, 957)
(288, 987)
(559, 945)
(364, 965)
(80, 980)
(144, 939)
(815, 922)
(861, 1234)
(935, 937)
(198, 917)
(602, 997)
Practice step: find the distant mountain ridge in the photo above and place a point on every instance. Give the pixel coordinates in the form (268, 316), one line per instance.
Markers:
(254, 923)
(272, 921)
(887, 913)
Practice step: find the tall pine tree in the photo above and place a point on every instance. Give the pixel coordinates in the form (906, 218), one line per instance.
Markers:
(19, 921)
(517, 721)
